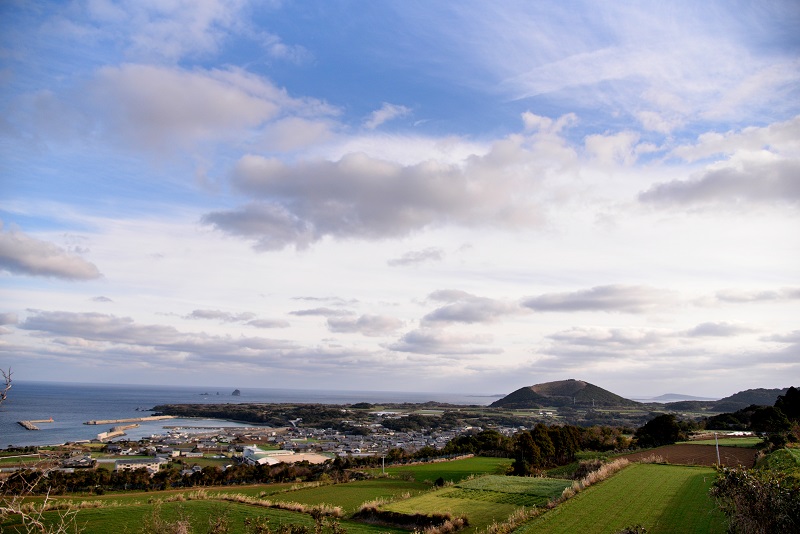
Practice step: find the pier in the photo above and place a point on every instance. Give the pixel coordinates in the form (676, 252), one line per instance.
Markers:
(29, 425)
(129, 420)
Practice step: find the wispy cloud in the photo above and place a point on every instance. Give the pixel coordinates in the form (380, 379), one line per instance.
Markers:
(386, 113)
(415, 257)
(612, 298)
(222, 316)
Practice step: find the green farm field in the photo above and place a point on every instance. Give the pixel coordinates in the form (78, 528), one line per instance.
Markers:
(453, 471)
(352, 495)
(128, 519)
(748, 442)
(485, 499)
(661, 498)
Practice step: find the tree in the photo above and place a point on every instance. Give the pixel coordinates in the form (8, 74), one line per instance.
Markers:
(789, 404)
(526, 455)
(661, 430)
(542, 440)
(769, 420)
(6, 384)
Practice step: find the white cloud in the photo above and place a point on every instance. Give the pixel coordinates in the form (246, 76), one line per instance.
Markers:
(158, 107)
(222, 316)
(268, 323)
(612, 298)
(466, 308)
(438, 342)
(618, 148)
(767, 295)
(779, 137)
(26, 255)
(753, 178)
(415, 257)
(367, 325)
(721, 329)
(171, 29)
(8, 318)
(363, 197)
(386, 113)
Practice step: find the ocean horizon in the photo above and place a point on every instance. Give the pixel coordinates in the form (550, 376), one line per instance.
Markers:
(72, 404)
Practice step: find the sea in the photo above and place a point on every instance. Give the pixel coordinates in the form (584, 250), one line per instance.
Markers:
(70, 405)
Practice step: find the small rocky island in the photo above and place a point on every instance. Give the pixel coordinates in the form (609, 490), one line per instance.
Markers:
(236, 393)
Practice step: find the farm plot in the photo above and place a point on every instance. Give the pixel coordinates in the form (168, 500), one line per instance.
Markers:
(690, 454)
(484, 500)
(352, 495)
(519, 491)
(661, 498)
(451, 471)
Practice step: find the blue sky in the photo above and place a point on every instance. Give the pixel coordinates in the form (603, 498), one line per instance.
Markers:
(399, 195)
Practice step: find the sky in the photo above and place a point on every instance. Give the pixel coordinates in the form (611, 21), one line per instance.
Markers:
(463, 197)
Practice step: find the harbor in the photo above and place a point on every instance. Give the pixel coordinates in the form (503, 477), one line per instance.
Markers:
(129, 420)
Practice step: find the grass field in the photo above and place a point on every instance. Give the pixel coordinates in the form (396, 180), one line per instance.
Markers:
(748, 442)
(484, 500)
(352, 495)
(454, 471)
(784, 460)
(662, 498)
(128, 520)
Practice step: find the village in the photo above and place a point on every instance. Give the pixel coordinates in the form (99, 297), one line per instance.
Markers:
(194, 448)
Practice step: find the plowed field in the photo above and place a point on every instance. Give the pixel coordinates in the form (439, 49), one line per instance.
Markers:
(699, 455)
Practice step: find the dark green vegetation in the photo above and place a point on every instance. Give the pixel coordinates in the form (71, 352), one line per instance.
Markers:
(661, 498)
(766, 498)
(778, 424)
(545, 447)
(661, 430)
(575, 393)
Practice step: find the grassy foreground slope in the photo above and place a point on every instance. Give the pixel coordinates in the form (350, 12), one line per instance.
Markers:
(484, 500)
(661, 498)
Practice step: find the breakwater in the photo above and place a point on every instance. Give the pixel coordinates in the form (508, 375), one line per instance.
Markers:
(29, 425)
(129, 420)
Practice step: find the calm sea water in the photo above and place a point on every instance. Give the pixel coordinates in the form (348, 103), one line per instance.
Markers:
(70, 405)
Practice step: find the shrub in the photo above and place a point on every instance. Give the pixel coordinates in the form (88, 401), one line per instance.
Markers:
(757, 502)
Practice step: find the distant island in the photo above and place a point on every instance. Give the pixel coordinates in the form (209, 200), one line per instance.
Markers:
(236, 393)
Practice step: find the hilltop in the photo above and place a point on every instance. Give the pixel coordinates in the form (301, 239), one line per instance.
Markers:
(562, 393)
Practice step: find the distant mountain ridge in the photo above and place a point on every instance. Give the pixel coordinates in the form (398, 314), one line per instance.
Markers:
(676, 397)
(570, 392)
(582, 394)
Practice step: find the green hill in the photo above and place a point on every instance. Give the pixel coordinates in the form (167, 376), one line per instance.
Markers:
(743, 399)
(562, 393)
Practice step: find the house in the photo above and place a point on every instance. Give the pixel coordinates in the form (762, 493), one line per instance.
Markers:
(151, 464)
